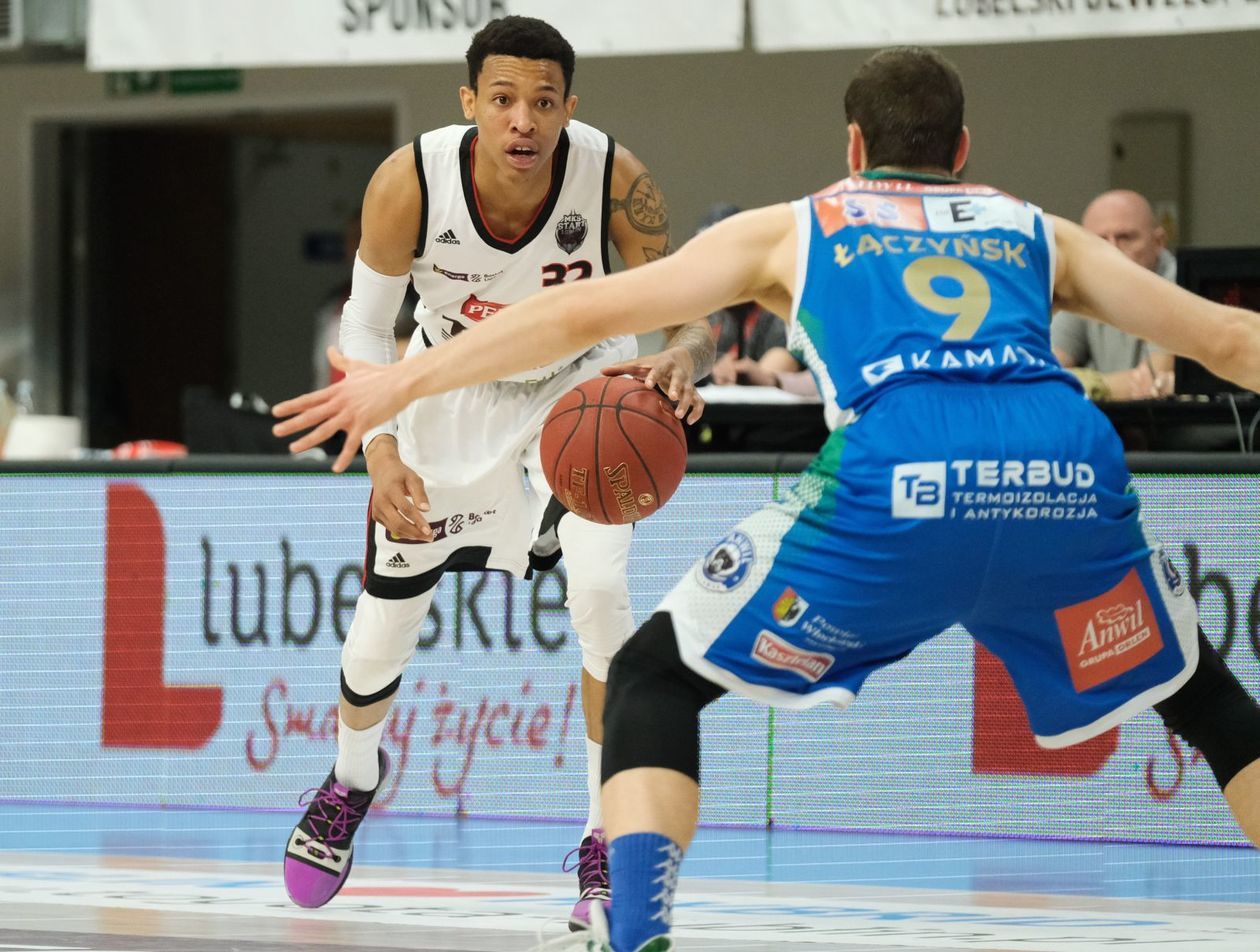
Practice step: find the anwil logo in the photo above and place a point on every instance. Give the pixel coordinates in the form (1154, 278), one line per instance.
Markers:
(1119, 627)
(1109, 634)
(773, 651)
(619, 479)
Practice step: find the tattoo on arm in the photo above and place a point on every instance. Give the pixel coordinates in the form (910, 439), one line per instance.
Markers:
(697, 339)
(655, 254)
(644, 206)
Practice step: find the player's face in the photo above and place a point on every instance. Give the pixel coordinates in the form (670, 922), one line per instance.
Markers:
(520, 109)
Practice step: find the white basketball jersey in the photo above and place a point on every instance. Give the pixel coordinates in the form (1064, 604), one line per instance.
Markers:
(464, 272)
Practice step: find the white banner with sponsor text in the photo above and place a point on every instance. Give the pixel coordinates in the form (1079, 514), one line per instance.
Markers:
(780, 25)
(175, 640)
(185, 34)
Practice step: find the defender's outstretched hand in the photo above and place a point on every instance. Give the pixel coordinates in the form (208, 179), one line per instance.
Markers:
(356, 403)
(671, 370)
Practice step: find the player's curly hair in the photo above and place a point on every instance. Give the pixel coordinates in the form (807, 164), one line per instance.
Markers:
(526, 37)
(908, 102)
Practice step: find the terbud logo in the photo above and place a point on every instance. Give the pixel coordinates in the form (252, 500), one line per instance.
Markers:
(971, 488)
(918, 490)
(1021, 474)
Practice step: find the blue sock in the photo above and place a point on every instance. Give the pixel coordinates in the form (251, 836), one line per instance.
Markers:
(643, 869)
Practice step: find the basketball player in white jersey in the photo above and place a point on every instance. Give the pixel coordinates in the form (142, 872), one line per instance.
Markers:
(477, 217)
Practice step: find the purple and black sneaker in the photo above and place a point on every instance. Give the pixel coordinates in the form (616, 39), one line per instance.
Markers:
(592, 870)
(318, 857)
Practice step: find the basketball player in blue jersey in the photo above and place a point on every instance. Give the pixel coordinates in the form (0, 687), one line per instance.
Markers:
(973, 484)
(478, 217)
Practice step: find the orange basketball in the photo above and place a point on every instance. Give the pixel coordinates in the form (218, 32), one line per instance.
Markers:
(613, 451)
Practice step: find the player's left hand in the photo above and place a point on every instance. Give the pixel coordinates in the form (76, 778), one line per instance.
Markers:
(672, 370)
(361, 400)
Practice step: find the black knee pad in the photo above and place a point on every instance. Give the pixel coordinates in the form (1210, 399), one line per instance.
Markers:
(1213, 713)
(652, 711)
(367, 700)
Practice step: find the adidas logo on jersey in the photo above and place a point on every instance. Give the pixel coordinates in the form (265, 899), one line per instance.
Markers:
(398, 562)
(447, 237)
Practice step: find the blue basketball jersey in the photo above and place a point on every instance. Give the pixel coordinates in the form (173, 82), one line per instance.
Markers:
(914, 278)
(958, 500)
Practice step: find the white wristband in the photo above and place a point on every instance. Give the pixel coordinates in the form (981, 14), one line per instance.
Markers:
(367, 323)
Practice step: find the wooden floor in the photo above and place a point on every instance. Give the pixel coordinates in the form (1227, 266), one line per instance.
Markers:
(75, 903)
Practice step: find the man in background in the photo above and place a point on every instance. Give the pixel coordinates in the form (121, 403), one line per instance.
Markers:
(1111, 364)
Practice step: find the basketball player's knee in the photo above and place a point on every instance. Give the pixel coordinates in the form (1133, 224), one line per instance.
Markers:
(603, 622)
(652, 712)
(1213, 713)
(372, 666)
(379, 645)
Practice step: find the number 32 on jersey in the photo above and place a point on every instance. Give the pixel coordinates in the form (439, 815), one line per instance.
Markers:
(558, 273)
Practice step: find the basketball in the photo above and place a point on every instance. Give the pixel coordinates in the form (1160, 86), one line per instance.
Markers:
(613, 451)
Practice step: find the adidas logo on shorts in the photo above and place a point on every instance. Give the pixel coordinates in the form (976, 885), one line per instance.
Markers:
(398, 562)
(447, 237)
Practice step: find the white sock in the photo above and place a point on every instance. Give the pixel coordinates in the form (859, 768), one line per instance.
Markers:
(595, 818)
(357, 764)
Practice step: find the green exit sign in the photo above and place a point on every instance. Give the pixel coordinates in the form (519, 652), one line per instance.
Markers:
(176, 82)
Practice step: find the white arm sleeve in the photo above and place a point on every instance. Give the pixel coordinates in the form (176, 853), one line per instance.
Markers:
(367, 323)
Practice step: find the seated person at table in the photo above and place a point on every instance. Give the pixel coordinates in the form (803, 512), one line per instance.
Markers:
(752, 342)
(1111, 364)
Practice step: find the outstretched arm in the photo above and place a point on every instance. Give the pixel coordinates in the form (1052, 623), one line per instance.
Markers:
(750, 256)
(639, 227)
(1095, 279)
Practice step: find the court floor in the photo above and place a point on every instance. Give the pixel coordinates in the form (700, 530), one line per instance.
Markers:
(79, 879)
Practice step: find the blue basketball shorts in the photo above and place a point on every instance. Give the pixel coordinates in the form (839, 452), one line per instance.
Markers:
(1004, 508)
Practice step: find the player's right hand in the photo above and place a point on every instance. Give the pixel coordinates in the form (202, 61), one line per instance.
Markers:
(364, 398)
(398, 496)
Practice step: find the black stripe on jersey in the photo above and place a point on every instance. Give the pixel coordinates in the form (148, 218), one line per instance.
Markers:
(607, 213)
(559, 161)
(424, 199)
